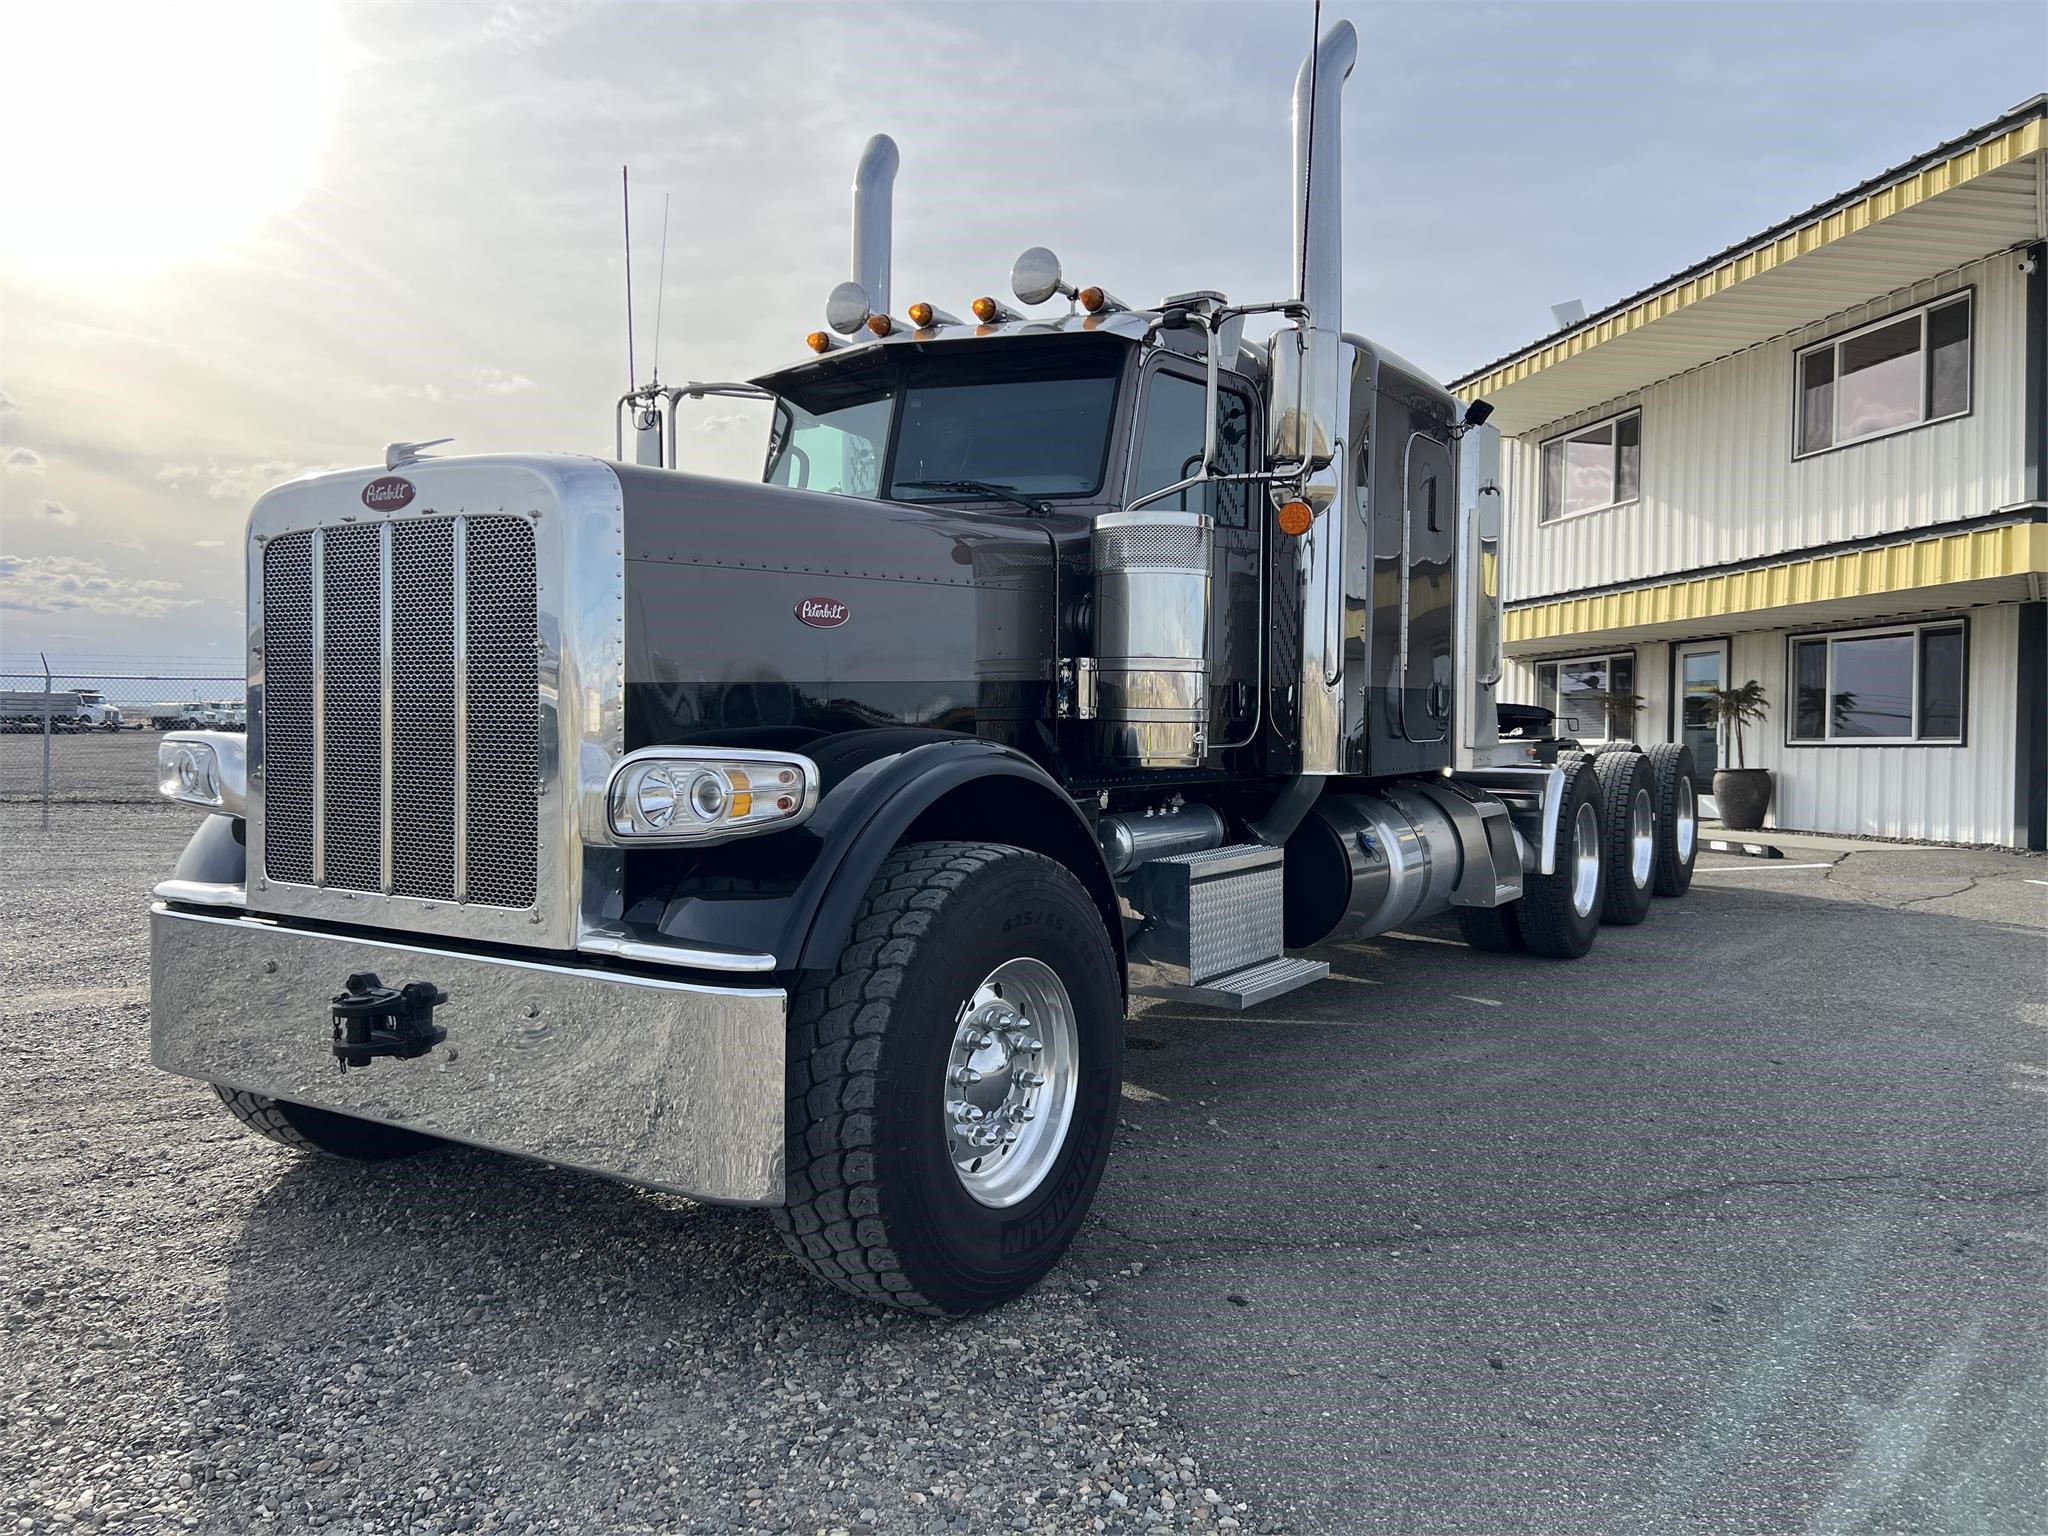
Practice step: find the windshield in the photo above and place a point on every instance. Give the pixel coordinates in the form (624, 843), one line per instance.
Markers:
(1015, 418)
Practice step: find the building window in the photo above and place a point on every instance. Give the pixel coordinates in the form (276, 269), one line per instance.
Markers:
(1593, 697)
(1873, 687)
(1904, 371)
(1593, 468)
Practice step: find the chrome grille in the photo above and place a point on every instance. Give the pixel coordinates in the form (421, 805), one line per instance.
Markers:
(401, 699)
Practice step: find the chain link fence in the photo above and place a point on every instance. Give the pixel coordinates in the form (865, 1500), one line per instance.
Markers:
(83, 729)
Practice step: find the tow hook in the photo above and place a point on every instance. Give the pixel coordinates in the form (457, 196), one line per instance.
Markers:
(371, 1020)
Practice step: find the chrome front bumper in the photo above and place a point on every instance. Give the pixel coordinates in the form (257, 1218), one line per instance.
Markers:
(677, 1085)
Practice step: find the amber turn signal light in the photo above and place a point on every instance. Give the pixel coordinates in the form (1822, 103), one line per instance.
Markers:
(920, 315)
(986, 310)
(1295, 518)
(818, 341)
(1092, 300)
(880, 324)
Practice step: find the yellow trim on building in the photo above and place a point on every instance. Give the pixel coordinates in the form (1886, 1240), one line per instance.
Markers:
(2018, 549)
(2029, 138)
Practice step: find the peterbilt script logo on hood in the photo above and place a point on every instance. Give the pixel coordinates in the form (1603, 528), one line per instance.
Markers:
(822, 612)
(390, 492)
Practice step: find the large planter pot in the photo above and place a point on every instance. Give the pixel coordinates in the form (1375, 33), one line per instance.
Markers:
(1744, 795)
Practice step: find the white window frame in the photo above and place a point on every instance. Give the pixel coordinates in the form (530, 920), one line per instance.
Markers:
(1607, 659)
(1544, 515)
(1875, 632)
(1966, 296)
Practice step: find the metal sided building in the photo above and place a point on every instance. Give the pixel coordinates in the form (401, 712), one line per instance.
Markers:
(1815, 459)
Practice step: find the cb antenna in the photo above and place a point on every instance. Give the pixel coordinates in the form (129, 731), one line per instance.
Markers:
(1308, 158)
(660, 288)
(626, 192)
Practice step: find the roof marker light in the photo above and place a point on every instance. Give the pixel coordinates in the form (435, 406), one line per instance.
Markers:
(1100, 301)
(992, 311)
(820, 341)
(881, 325)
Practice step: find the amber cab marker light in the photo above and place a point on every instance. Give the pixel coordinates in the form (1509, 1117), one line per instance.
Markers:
(1295, 518)
(1092, 300)
(880, 324)
(818, 341)
(920, 315)
(986, 310)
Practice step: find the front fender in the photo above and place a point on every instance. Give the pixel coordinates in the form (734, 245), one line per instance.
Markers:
(794, 894)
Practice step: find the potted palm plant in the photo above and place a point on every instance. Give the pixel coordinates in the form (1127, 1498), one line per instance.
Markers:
(1621, 706)
(1743, 793)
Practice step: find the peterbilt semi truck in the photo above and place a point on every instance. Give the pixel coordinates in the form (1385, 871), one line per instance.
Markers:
(803, 844)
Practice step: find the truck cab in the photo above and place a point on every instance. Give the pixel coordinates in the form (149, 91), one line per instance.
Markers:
(803, 843)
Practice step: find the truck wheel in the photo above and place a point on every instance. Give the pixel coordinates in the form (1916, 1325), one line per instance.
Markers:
(1497, 930)
(953, 1081)
(1559, 913)
(319, 1130)
(1676, 788)
(1629, 812)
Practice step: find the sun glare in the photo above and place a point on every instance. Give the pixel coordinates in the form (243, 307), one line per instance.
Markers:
(140, 134)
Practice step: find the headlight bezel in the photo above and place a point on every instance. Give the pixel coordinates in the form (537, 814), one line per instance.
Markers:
(208, 769)
(674, 815)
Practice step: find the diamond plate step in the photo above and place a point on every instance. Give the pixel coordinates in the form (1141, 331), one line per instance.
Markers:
(1248, 988)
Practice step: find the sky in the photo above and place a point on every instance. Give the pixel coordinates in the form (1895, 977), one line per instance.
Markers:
(240, 242)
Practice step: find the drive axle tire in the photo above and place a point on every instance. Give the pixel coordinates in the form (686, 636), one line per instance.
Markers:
(953, 1081)
(1629, 827)
(1496, 930)
(1559, 913)
(319, 1130)
(1676, 787)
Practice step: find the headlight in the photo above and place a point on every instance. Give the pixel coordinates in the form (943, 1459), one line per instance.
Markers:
(206, 768)
(699, 795)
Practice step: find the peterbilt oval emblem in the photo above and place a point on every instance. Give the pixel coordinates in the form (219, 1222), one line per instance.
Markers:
(822, 612)
(387, 493)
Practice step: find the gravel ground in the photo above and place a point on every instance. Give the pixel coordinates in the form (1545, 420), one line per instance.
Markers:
(90, 767)
(1734, 1227)
(204, 1331)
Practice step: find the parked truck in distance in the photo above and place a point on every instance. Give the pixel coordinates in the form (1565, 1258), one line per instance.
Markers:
(68, 710)
(801, 844)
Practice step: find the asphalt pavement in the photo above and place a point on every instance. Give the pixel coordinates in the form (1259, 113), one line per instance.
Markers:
(1735, 1226)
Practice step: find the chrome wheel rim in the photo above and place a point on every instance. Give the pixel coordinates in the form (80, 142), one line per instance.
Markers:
(1585, 859)
(1688, 821)
(1642, 839)
(1011, 1080)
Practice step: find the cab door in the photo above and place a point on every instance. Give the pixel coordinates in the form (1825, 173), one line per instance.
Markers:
(1167, 449)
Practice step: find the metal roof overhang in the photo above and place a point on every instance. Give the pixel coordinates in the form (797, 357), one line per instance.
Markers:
(1987, 197)
(1939, 573)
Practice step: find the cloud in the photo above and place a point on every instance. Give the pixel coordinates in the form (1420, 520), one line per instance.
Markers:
(7, 405)
(242, 482)
(484, 383)
(209, 543)
(723, 423)
(128, 544)
(56, 512)
(61, 584)
(494, 381)
(26, 460)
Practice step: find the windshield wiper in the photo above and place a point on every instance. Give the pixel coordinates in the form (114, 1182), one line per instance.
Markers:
(1009, 493)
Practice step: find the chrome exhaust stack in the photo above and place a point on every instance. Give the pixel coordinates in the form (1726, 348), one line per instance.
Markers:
(1307, 369)
(874, 185)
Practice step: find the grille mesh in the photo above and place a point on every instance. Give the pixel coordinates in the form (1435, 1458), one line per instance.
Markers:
(504, 713)
(499, 644)
(1174, 545)
(423, 697)
(354, 709)
(288, 709)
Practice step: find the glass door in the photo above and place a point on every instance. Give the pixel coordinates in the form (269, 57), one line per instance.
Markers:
(1702, 669)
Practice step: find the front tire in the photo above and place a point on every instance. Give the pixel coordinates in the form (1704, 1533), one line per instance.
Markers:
(1629, 817)
(319, 1130)
(913, 1051)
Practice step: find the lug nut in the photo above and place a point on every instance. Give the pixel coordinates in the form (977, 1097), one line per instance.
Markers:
(966, 1076)
(1034, 1046)
(961, 1110)
(1032, 1079)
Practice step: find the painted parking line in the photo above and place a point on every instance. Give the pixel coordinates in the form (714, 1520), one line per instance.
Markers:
(1746, 869)
(2032, 881)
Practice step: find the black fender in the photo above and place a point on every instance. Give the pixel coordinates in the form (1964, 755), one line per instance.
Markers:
(954, 789)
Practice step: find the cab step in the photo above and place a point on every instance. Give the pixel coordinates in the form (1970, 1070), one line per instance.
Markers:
(1253, 985)
(1212, 930)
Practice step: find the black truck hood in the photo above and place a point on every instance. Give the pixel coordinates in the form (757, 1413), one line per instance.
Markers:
(766, 616)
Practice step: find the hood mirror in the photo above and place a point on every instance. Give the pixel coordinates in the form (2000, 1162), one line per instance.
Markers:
(1035, 277)
(846, 309)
